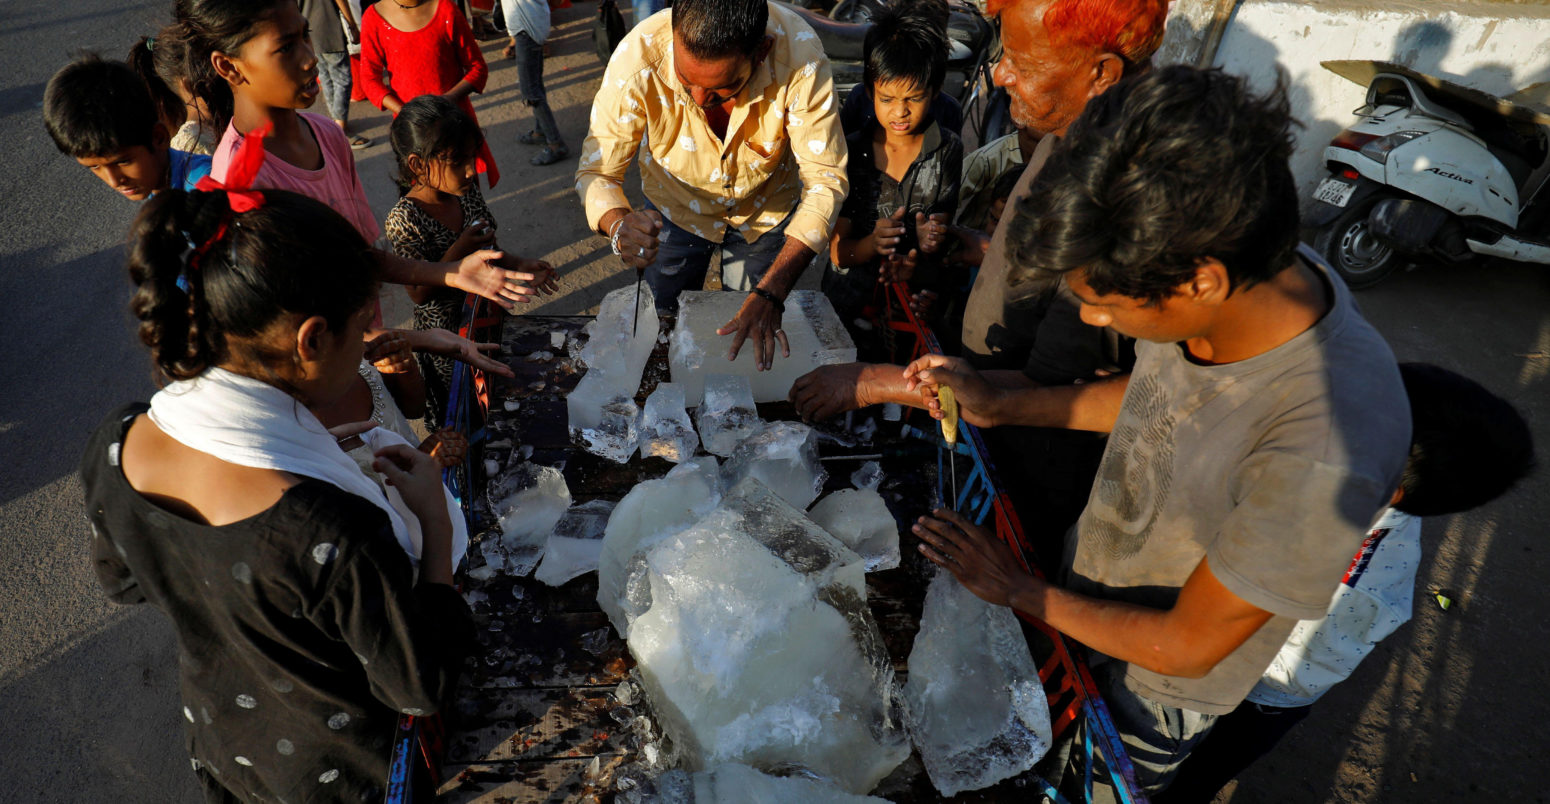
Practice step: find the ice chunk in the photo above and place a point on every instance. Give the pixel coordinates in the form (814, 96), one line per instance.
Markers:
(869, 476)
(651, 511)
(557, 339)
(739, 784)
(726, 415)
(576, 544)
(605, 422)
(861, 520)
(528, 499)
(665, 429)
(758, 647)
(812, 329)
(784, 456)
(977, 711)
(603, 416)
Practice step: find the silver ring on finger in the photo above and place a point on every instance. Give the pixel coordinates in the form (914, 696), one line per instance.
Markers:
(642, 251)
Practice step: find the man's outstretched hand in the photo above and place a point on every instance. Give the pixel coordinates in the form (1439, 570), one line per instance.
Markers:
(757, 320)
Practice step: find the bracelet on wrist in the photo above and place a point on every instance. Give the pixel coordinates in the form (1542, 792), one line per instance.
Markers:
(780, 306)
(613, 236)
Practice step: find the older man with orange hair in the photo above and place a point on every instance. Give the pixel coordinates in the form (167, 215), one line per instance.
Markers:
(1057, 54)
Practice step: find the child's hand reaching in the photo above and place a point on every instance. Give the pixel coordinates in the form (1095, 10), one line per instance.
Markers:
(546, 279)
(887, 234)
(447, 446)
(391, 353)
(932, 231)
(897, 267)
(478, 235)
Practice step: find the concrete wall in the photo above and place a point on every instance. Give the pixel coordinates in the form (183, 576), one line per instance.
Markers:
(1494, 47)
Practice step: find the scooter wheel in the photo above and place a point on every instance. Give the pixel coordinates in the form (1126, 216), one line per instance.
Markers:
(1350, 247)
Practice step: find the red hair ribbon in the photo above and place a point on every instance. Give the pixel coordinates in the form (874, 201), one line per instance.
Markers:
(240, 172)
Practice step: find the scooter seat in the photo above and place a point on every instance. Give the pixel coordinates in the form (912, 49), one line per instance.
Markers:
(842, 41)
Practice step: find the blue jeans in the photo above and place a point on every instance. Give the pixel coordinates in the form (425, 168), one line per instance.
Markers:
(530, 78)
(644, 9)
(683, 259)
(334, 79)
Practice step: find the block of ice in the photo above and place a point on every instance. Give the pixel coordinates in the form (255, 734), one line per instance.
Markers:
(665, 429)
(869, 476)
(758, 647)
(652, 510)
(726, 415)
(576, 543)
(603, 416)
(602, 420)
(529, 500)
(861, 520)
(813, 331)
(976, 709)
(739, 784)
(784, 457)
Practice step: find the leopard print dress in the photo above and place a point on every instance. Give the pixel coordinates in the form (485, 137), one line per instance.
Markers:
(418, 236)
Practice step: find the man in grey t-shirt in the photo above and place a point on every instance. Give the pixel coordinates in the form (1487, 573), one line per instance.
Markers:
(1261, 431)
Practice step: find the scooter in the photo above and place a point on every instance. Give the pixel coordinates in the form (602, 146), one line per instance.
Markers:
(1431, 170)
(974, 46)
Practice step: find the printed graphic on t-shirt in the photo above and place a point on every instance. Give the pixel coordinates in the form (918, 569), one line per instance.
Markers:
(1137, 473)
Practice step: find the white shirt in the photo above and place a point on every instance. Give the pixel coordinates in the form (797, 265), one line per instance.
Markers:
(1373, 600)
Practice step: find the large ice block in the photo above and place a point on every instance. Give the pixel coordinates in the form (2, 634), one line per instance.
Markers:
(861, 520)
(739, 784)
(758, 647)
(977, 711)
(528, 499)
(665, 429)
(783, 456)
(726, 415)
(812, 329)
(603, 416)
(651, 511)
(576, 544)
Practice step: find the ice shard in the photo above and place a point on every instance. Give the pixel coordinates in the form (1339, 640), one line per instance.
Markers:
(726, 415)
(651, 511)
(739, 784)
(529, 500)
(784, 457)
(977, 711)
(861, 520)
(758, 647)
(869, 476)
(812, 329)
(665, 429)
(602, 412)
(576, 544)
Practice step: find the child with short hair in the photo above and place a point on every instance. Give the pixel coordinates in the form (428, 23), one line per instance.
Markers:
(99, 113)
(904, 170)
(442, 216)
(1468, 446)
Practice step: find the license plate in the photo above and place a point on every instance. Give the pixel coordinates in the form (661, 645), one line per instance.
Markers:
(1334, 191)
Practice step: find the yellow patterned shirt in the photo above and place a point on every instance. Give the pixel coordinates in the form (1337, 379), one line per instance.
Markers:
(784, 149)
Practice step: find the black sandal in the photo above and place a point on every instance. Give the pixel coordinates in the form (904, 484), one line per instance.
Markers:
(549, 155)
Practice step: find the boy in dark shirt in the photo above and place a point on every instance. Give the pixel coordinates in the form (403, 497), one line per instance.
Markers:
(100, 113)
(904, 173)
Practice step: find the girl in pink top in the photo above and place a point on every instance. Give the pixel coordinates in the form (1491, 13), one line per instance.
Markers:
(425, 49)
(252, 65)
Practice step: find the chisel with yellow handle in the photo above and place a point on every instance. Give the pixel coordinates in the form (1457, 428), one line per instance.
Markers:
(949, 405)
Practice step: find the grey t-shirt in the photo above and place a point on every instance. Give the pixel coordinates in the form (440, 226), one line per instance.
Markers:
(327, 30)
(1273, 468)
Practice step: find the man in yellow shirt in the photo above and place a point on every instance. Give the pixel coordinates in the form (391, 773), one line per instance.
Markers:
(731, 106)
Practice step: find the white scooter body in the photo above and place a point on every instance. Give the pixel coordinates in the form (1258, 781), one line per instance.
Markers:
(1407, 145)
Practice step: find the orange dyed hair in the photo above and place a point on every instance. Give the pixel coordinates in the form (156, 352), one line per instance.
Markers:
(1130, 29)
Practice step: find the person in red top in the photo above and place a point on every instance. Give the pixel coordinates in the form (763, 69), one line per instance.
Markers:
(425, 48)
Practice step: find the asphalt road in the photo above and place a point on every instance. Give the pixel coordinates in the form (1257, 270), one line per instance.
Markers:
(1451, 708)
